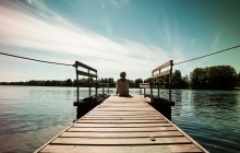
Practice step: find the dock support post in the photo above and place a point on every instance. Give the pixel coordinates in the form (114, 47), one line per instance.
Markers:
(96, 89)
(151, 90)
(170, 83)
(76, 67)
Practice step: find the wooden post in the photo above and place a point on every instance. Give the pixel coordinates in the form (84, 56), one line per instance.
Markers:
(159, 85)
(170, 83)
(76, 67)
(96, 85)
(89, 88)
(151, 90)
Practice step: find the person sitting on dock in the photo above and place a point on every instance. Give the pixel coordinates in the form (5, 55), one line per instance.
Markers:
(122, 85)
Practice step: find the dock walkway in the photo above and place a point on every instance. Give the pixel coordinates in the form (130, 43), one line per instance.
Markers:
(122, 125)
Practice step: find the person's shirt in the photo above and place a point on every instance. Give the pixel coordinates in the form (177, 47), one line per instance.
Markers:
(123, 87)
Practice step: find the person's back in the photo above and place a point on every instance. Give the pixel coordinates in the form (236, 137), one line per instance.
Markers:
(122, 85)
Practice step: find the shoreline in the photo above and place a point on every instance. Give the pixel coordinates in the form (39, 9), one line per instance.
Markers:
(235, 88)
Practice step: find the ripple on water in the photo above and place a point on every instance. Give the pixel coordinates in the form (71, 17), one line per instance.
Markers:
(30, 116)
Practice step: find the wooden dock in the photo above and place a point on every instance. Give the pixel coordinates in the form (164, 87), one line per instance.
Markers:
(122, 125)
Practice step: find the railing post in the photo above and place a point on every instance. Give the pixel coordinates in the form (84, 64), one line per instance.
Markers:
(159, 85)
(96, 88)
(76, 67)
(170, 83)
(151, 90)
(89, 88)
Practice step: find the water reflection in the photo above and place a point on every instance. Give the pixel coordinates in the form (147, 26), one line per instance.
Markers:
(30, 116)
(211, 117)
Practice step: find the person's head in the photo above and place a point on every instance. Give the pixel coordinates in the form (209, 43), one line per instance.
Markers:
(123, 75)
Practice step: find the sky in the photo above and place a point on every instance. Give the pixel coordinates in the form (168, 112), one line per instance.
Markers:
(112, 36)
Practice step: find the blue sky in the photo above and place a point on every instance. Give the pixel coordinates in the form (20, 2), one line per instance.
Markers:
(115, 35)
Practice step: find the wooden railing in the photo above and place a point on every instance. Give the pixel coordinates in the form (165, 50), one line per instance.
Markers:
(91, 73)
(157, 73)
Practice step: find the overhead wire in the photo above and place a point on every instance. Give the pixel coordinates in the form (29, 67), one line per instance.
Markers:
(210, 54)
(36, 60)
(65, 64)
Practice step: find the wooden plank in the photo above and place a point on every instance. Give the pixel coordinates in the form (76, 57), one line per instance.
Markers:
(123, 125)
(119, 114)
(144, 85)
(124, 103)
(124, 109)
(182, 148)
(187, 136)
(122, 106)
(129, 125)
(122, 121)
(161, 74)
(120, 141)
(168, 63)
(140, 129)
(122, 118)
(77, 63)
(143, 105)
(122, 113)
(122, 135)
(86, 74)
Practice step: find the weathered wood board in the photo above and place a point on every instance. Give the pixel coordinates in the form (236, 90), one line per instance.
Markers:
(122, 125)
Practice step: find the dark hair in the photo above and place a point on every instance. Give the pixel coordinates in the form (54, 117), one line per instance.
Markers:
(123, 74)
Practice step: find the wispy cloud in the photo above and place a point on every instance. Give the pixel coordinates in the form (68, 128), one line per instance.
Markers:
(34, 25)
(215, 42)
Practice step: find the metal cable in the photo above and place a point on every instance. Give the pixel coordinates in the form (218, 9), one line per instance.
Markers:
(64, 64)
(36, 60)
(217, 52)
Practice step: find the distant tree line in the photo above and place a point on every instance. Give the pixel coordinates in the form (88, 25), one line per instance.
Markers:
(215, 77)
(67, 82)
(70, 83)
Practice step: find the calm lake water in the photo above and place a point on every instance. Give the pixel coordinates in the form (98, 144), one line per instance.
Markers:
(30, 116)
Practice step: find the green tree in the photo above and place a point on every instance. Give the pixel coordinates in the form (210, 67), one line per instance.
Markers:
(185, 82)
(148, 80)
(215, 77)
(238, 80)
(176, 79)
(198, 78)
(131, 83)
(238, 77)
(69, 82)
(137, 81)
